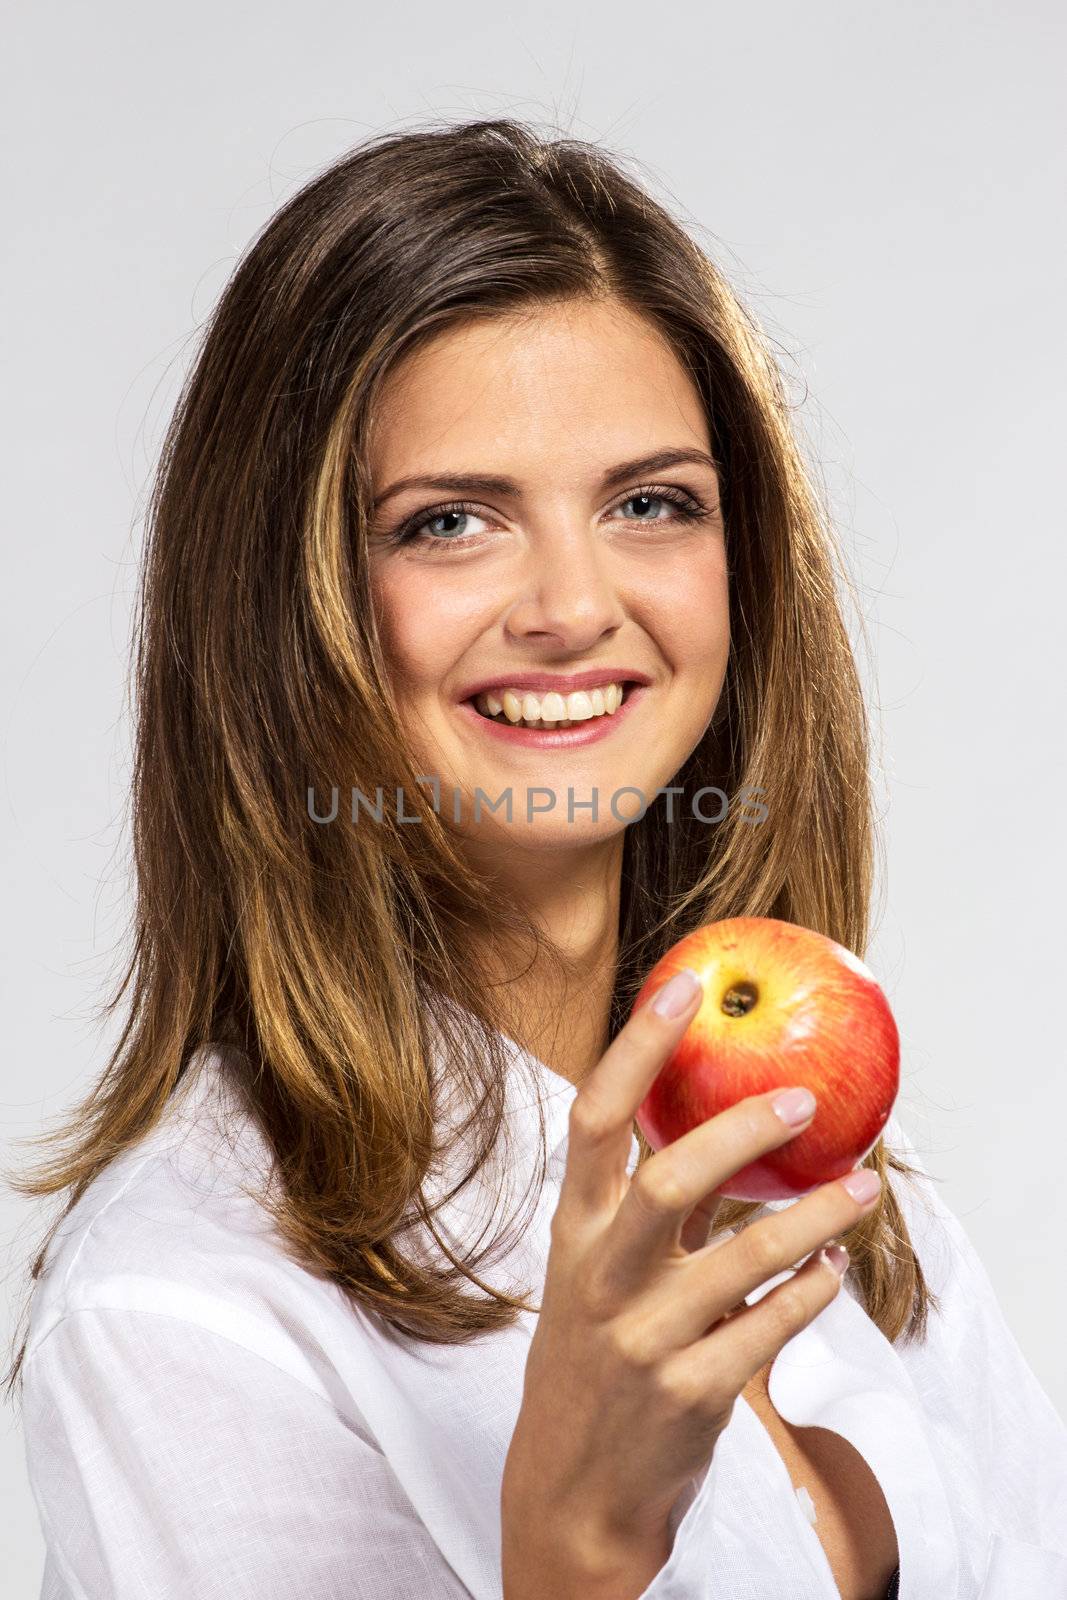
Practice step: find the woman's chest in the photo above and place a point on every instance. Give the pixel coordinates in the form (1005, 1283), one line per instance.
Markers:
(852, 1519)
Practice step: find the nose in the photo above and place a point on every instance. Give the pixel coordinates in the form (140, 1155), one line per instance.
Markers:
(565, 591)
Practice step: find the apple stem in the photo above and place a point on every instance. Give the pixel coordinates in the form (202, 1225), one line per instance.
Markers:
(739, 999)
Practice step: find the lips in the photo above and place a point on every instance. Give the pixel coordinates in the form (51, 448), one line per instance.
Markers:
(577, 735)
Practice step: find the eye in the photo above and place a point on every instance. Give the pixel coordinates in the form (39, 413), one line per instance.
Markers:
(418, 529)
(410, 531)
(684, 505)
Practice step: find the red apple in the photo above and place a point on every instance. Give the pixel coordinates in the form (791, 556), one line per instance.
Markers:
(782, 1005)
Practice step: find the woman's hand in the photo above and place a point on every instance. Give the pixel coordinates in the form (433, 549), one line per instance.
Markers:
(642, 1344)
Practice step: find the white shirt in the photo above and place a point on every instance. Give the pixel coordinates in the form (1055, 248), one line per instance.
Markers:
(207, 1420)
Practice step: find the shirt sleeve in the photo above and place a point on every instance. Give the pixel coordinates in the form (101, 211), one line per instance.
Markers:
(169, 1460)
(978, 1386)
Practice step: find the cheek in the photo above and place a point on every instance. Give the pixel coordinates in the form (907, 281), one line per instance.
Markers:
(686, 605)
(424, 623)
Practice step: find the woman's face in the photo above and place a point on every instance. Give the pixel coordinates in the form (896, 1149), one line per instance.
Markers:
(578, 558)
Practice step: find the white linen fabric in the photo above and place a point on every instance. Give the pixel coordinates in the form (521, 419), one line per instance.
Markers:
(205, 1418)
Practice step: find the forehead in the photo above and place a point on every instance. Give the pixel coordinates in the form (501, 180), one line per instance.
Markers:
(593, 380)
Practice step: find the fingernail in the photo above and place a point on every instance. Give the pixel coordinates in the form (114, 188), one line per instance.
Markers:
(836, 1257)
(795, 1106)
(676, 994)
(862, 1185)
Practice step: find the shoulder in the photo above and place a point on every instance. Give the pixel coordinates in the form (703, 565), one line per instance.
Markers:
(176, 1356)
(175, 1229)
(942, 1246)
(945, 1254)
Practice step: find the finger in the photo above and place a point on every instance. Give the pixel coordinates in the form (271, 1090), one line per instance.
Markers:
(602, 1112)
(696, 1227)
(664, 1190)
(715, 1368)
(714, 1281)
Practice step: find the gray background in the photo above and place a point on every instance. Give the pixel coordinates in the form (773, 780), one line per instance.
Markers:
(883, 184)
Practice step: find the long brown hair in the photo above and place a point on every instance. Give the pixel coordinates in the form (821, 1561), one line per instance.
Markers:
(319, 952)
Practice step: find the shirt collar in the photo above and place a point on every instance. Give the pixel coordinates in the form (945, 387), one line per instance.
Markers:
(531, 1081)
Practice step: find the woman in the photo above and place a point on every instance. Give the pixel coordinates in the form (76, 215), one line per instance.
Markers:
(366, 1287)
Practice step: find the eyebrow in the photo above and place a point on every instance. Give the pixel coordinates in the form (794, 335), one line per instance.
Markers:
(491, 483)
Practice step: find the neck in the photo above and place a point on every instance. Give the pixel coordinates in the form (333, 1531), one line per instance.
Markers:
(562, 1017)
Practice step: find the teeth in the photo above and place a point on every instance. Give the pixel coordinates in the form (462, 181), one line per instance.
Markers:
(551, 710)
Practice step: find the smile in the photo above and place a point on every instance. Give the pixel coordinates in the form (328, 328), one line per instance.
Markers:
(551, 710)
(554, 720)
